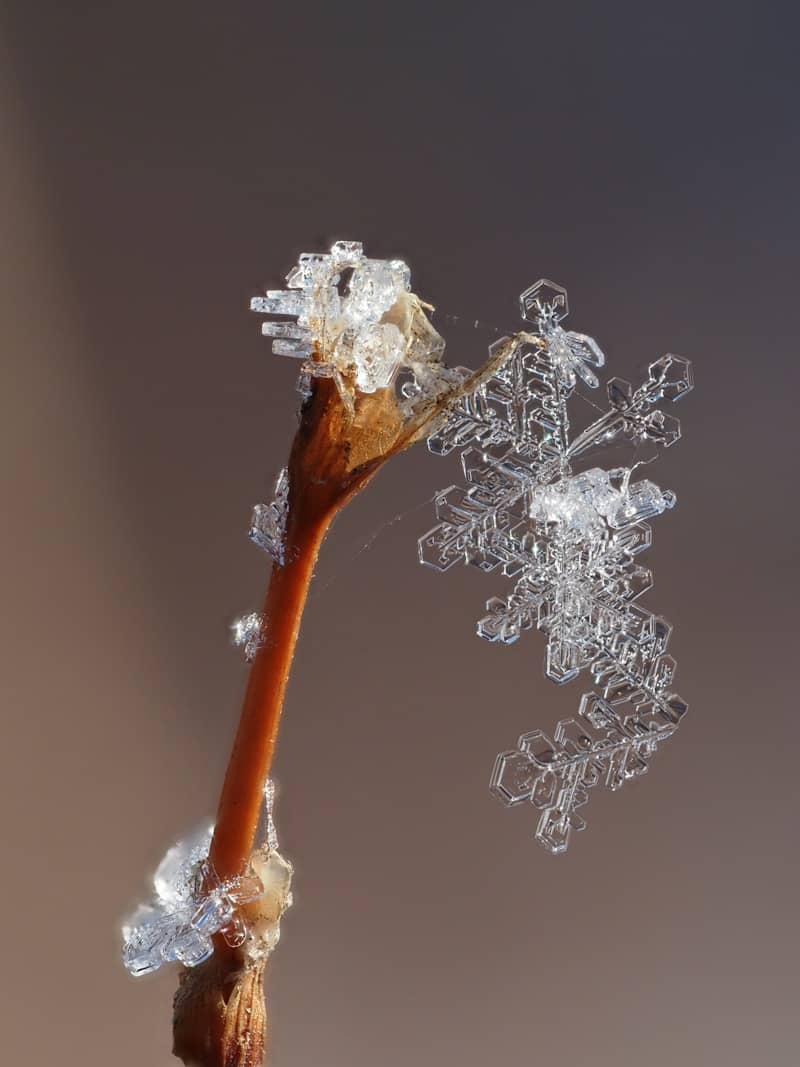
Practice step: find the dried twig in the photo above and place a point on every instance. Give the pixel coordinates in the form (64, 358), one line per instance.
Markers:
(220, 1019)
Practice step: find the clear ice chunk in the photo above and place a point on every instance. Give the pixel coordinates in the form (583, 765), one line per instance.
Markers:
(295, 349)
(288, 330)
(570, 539)
(279, 302)
(375, 286)
(174, 880)
(247, 633)
(268, 521)
(573, 356)
(191, 905)
(358, 321)
(346, 253)
(191, 948)
(377, 354)
(271, 833)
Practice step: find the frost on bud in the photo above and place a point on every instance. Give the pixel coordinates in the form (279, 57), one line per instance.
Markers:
(356, 322)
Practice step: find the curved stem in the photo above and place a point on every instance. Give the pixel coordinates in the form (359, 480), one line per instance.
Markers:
(219, 1018)
(242, 795)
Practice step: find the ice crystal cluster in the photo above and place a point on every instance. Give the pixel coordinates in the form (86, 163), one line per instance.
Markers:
(268, 522)
(570, 534)
(355, 320)
(247, 633)
(191, 904)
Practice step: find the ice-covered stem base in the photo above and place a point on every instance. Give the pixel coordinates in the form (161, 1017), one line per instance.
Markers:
(219, 1012)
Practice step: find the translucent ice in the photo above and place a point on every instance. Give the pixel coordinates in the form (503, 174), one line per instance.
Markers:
(356, 321)
(268, 522)
(248, 634)
(190, 904)
(570, 539)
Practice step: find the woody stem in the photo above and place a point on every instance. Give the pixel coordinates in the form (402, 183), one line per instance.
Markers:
(242, 795)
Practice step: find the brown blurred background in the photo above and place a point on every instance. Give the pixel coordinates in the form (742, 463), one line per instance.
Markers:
(163, 162)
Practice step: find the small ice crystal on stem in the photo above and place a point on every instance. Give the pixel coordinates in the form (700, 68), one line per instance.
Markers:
(571, 540)
(271, 833)
(356, 321)
(247, 633)
(191, 904)
(268, 522)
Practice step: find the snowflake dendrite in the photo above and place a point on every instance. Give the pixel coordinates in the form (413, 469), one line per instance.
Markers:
(570, 534)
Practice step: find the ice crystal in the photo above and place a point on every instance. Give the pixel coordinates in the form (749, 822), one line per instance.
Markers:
(191, 904)
(247, 633)
(270, 831)
(356, 321)
(268, 522)
(571, 539)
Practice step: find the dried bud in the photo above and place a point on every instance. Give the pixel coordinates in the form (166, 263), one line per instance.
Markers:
(220, 1018)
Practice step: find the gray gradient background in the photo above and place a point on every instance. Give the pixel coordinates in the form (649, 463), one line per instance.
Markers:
(160, 164)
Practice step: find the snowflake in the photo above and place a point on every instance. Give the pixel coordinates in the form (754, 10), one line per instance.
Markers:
(571, 539)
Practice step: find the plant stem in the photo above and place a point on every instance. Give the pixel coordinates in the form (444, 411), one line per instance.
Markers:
(242, 797)
(219, 1017)
(336, 451)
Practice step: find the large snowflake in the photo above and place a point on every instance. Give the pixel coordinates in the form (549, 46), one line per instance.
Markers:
(570, 534)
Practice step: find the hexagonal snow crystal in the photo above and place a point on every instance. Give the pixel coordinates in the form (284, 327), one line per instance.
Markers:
(568, 533)
(544, 299)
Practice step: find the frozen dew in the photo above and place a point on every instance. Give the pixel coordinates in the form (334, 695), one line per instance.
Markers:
(573, 355)
(190, 904)
(355, 320)
(570, 540)
(270, 832)
(247, 633)
(174, 880)
(377, 352)
(268, 522)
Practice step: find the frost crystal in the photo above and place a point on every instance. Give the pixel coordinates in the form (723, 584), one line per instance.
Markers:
(247, 633)
(270, 831)
(570, 538)
(356, 321)
(268, 523)
(191, 904)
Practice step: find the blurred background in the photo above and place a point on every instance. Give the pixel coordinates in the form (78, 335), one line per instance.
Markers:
(161, 163)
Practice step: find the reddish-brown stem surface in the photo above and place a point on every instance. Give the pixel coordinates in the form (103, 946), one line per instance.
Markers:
(219, 1018)
(335, 453)
(242, 795)
(320, 482)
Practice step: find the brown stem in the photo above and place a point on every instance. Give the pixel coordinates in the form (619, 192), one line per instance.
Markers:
(219, 1017)
(337, 450)
(242, 792)
(321, 480)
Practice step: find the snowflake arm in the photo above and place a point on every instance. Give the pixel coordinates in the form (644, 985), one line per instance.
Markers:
(571, 540)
